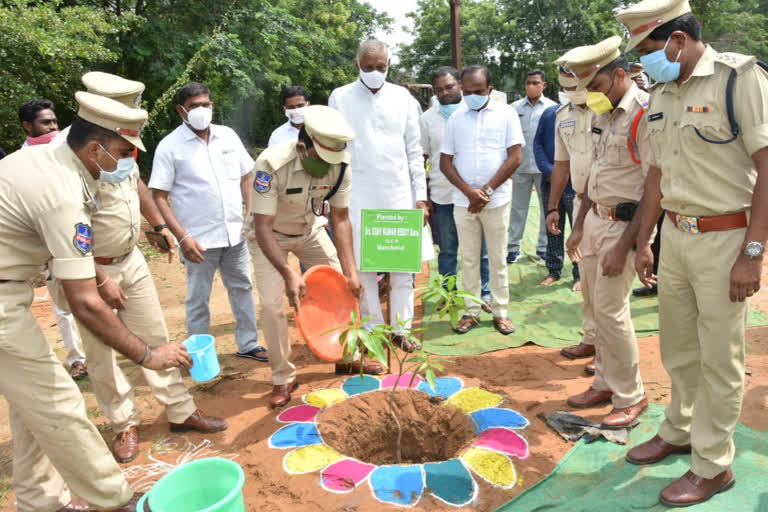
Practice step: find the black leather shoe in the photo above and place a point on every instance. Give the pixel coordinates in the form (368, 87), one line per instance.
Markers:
(644, 291)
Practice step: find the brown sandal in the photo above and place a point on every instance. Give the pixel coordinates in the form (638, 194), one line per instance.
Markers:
(406, 344)
(466, 324)
(503, 325)
(78, 370)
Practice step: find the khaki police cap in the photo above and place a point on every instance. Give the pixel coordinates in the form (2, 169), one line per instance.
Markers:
(127, 92)
(635, 69)
(642, 18)
(329, 132)
(113, 116)
(585, 61)
(565, 77)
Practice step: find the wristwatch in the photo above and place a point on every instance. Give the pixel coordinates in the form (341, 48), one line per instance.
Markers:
(488, 190)
(160, 227)
(753, 249)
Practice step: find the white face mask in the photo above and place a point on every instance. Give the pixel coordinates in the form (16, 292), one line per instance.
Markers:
(563, 97)
(373, 79)
(199, 118)
(296, 115)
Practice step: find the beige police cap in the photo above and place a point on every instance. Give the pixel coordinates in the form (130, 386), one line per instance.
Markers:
(585, 61)
(113, 116)
(564, 78)
(642, 18)
(127, 92)
(329, 131)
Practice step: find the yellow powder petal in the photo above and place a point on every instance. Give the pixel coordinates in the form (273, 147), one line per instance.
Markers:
(310, 458)
(325, 397)
(494, 467)
(473, 399)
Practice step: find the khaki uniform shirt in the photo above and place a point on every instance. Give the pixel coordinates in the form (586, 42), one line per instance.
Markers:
(45, 214)
(699, 178)
(117, 222)
(615, 178)
(573, 142)
(285, 190)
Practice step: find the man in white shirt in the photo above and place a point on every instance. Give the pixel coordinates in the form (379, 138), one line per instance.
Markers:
(445, 84)
(528, 175)
(482, 148)
(388, 161)
(295, 101)
(207, 173)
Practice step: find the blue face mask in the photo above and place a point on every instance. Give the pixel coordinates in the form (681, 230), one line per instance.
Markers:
(121, 172)
(659, 68)
(447, 110)
(475, 101)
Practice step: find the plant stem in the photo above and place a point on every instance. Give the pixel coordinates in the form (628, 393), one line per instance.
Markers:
(398, 447)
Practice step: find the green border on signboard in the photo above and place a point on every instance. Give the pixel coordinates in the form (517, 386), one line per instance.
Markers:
(390, 240)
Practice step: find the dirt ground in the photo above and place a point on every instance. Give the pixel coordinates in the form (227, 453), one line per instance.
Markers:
(532, 380)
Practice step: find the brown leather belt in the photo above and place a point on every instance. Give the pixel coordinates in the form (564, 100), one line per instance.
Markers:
(109, 261)
(705, 224)
(5, 281)
(605, 213)
(289, 236)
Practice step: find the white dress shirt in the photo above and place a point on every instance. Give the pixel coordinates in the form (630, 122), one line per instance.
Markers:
(386, 152)
(432, 124)
(283, 133)
(478, 141)
(204, 182)
(530, 115)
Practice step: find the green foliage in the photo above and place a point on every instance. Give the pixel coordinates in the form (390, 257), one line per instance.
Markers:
(448, 299)
(44, 49)
(514, 36)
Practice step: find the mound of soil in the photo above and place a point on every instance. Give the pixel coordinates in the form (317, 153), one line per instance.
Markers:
(363, 428)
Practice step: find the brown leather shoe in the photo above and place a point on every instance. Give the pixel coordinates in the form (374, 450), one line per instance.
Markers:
(590, 367)
(691, 489)
(620, 418)
(653, 451)
(579, 351)
(125, 447)
(352, 368)
(589, 398)
(281, 394)
(199, 422)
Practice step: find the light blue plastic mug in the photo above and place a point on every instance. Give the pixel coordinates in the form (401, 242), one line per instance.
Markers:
(205, 361)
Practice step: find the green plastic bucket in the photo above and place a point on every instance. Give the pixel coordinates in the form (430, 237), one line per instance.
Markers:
(205, 485)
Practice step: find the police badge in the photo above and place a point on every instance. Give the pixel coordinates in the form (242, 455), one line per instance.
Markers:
(83, 239)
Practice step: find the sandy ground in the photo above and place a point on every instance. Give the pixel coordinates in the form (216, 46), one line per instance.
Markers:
(532, 380)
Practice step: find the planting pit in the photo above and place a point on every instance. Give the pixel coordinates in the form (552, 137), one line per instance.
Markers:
(362, 427)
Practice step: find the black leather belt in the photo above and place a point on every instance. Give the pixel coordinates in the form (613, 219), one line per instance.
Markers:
(289, 236)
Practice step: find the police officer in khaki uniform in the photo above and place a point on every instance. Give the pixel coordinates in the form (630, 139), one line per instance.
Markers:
(602, 234)
(716, 199)
(123, 198)
(45, 217)
(573, 158)
(292, 180)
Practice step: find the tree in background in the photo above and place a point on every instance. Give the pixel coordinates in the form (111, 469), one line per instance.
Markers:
(245, 51)
(513, 36)
(45, 47)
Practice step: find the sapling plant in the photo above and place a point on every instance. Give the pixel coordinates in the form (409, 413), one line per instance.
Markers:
(355, 338)
(448, 299)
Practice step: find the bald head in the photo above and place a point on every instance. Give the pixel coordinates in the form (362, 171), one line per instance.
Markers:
(372, 47)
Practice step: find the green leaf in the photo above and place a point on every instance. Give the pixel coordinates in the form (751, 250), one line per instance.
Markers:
(375, 347)
(430, 374)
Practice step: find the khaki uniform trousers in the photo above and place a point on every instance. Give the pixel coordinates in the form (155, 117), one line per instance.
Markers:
(312, 249)
(470, 227)
(143, 316)
(617, 366)
(56, 446)
(587, 315)
(702, 344)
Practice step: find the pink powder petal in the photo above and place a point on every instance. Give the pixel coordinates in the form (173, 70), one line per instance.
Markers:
(300, 413)
(388, 382)
(345, 475)
(503, 441)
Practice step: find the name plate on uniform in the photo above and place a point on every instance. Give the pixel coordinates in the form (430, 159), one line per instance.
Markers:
(391, 240)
